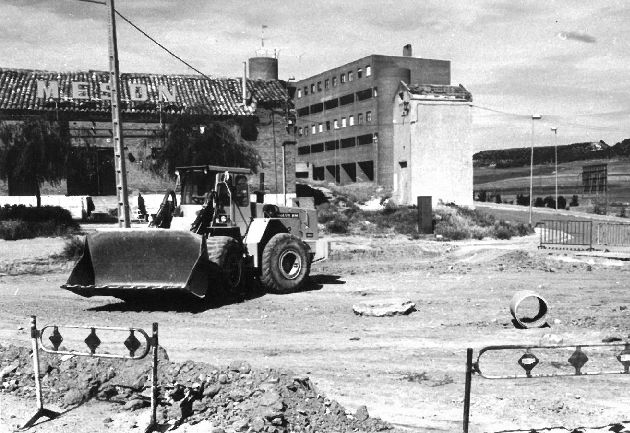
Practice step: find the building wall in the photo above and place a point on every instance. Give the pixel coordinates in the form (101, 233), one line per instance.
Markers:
(364, 160)
(433, 141)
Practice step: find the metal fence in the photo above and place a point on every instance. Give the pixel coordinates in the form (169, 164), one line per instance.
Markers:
(522, 362)
(567, 233)
(613, 234)
(584, 234)
(137, 348)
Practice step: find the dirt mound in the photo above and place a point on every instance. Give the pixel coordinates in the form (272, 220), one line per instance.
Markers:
(235, 398)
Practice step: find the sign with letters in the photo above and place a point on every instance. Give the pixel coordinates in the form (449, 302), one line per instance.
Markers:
(80, 90)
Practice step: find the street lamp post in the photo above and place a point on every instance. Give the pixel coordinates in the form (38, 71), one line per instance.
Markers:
(555, 148)
(531, 169)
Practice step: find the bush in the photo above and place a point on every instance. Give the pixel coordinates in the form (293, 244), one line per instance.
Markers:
(522, 200)
(574, 201)
(22, 222)
(562, 202)
(73, 248)
(539, 202)
(550, 202)
(503, 232)
(339, 224)
(497, 199)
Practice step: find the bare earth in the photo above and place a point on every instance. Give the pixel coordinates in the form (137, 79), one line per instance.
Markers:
(408, 370)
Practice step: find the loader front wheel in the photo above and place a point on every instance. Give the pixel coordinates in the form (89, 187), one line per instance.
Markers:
(285, 264)
(227, 254)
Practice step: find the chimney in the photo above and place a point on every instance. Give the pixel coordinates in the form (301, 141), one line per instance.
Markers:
(407, 52)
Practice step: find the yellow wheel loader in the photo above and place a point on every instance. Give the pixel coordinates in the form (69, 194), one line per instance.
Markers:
(202, 244)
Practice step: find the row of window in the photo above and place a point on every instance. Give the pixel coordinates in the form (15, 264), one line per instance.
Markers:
(356, 171)
(327, 125)
(344, 77)
(344, 143)
(333, 103)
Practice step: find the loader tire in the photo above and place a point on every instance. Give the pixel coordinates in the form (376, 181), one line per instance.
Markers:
(227, 254)
(285, 264)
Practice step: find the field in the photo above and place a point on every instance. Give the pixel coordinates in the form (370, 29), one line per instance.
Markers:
(511, 181)
(408, 370)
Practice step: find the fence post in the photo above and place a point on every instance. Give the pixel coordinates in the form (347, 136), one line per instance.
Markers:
(154, 385)
(41, 411)
(469, 357)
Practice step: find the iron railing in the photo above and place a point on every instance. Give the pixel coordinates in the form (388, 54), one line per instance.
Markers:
(567, 234)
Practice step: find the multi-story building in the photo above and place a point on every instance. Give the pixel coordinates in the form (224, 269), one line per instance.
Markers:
(345, 117)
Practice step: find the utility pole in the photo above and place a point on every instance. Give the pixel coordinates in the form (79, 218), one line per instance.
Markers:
(531, 169)
(119, 159)
(555, 147)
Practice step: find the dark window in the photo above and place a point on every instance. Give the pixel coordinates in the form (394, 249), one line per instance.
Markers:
(319, 86)
(318, 173)
(351, 170)
(318, 147)
(367, 167)
(328, 125)
(364, 94)
(348, 142)
(301, 174)
(334, 81)
(365, 139)
(342, 78)
(332, 145)
(368, 116)
(326, 83)
(331, 103)
(312, 87)
(300, 131)
(317, 108)
(305, 90)
(304, 150)
(346, 99)
(359, 73)
(360, 118)
(403, 164)
(333, 170)
(304, 111)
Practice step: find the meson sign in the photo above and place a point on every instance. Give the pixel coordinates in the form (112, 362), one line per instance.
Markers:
(138, 92)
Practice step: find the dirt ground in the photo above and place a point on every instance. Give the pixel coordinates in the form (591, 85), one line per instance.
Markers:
(408, 370)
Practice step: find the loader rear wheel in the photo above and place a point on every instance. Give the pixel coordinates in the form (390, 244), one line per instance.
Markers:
(227, 254)
(285, 264)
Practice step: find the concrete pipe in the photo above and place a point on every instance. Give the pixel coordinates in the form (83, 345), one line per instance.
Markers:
(523, 299)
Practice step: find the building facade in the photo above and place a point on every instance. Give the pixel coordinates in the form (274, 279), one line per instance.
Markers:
(344, 117)
(432, 146)
(149, 102)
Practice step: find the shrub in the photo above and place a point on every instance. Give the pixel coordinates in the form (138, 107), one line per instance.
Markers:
(482, 196)
(562, 202)
(522, 200)
(339, 224)
(539, 202)
(73, 248)
(574, 201)
(22, 222)
(497, 199)
(502, 232)
(550, 202)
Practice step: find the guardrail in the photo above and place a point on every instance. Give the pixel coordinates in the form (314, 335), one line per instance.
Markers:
(529, 360)
(132, 345)
(613, 234)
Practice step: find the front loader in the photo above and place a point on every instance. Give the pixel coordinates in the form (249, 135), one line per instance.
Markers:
(202, 244)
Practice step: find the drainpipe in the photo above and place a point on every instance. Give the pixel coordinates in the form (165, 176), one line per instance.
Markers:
(244, 83)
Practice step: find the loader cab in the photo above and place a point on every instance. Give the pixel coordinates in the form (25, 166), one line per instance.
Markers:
(227, 187)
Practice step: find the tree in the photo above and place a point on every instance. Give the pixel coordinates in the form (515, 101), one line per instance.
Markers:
(33, 152)
(197, 140)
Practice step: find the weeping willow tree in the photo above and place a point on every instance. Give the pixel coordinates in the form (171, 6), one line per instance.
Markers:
(196, 140)
(33, 152)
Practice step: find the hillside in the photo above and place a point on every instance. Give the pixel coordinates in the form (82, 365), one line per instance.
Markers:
(518, 157)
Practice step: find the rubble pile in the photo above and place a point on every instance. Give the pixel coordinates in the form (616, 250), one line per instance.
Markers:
(233, 398)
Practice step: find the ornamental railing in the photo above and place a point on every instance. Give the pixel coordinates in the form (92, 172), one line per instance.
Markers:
(538, 362)
(132, 345)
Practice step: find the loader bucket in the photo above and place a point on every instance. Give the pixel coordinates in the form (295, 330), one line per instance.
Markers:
(126, 262)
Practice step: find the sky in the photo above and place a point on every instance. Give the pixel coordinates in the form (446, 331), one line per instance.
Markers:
(566, 60)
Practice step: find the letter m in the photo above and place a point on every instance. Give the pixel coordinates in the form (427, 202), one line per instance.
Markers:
(47, 91)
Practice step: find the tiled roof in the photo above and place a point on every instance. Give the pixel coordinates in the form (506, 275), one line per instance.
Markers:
(440, 91)
(18, 92)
